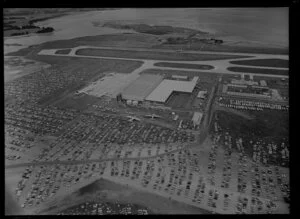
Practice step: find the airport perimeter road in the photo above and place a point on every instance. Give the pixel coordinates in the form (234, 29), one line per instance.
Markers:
(220, 66)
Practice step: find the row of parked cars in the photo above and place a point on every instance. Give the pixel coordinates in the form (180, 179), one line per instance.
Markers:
(105, 208)
(265, 181)
(37, 119)
(251, 105)
(44, 83)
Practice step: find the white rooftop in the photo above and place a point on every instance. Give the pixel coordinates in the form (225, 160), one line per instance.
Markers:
(141, 87)
(179, 76)
(166, 87)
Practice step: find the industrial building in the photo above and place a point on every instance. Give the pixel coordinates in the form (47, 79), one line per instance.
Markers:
(243, 82)
(139, 89)
(202, 94)
(163, 91)
(249, 91)
(197, 118)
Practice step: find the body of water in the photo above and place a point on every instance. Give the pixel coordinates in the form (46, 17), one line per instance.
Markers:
(265, 26)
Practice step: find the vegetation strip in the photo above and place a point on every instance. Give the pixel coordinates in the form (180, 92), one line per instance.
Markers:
(277, 63)
(183, 65)
(258, 70)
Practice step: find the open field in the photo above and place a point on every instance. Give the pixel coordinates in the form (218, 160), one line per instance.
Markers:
(223, 48)
(153, 55)
(259, 70)
(63, 51)
(122, 66)
(279, 63)
(183, 65)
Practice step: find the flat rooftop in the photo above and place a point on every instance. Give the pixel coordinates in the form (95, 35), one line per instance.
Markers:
(166, 87)
(141, 87)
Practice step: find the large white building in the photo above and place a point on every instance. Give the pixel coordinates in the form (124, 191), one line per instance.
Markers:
(139, 89)
(162, 92)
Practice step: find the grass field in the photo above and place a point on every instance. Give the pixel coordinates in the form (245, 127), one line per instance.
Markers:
(114, 40)
(259, 70)
(280, 63)
(152, 55)
(78, 63)
(63, 51)
(225, 48)
(183, 65)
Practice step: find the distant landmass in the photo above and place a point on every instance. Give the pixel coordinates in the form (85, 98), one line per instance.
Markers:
(152, 29)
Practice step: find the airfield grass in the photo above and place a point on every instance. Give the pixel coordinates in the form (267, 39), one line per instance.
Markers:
(152, 55)
(279, 63)
(79, 63)
(199, 46)
(258, 70)
(183, 65)
(63, 51)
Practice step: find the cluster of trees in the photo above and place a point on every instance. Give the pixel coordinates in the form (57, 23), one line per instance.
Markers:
(19, 33)
(181, 40)
(9, 25)
(46, 30)
(40, 30)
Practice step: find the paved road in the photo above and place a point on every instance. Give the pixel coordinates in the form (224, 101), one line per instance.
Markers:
(220, 66)
(74, 162)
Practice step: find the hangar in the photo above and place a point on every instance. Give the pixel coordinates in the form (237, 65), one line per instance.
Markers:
(139, 89)
(162, 92)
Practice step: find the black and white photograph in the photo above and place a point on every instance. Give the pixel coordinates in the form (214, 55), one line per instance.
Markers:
(146, 111)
